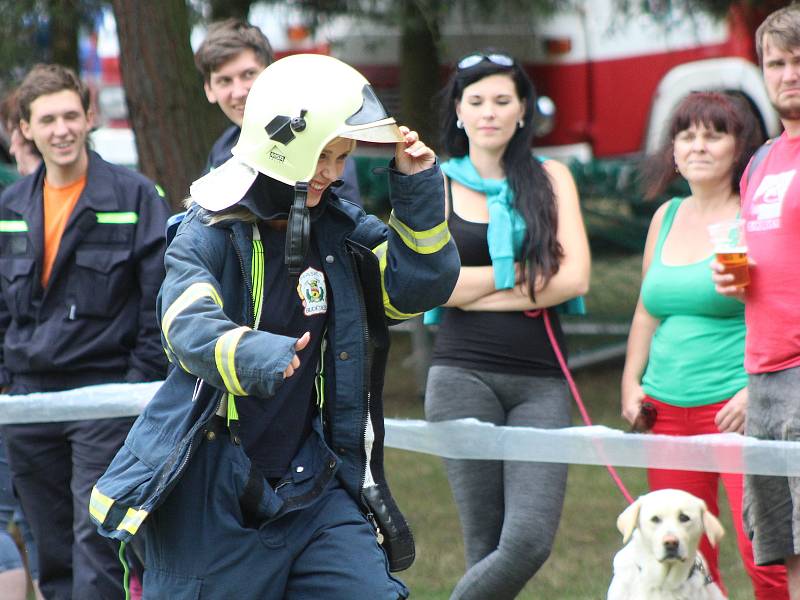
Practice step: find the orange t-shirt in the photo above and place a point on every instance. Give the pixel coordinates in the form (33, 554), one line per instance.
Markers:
(59, 202)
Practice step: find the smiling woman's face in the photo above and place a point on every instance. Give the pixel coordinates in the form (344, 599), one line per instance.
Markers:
(330, 167)
(490, 110)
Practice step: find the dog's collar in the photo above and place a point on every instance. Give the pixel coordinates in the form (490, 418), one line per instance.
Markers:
(700, 567)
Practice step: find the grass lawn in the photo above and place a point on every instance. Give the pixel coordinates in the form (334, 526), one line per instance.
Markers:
(580, 566)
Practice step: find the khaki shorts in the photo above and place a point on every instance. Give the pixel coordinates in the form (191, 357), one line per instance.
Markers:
(772, 504)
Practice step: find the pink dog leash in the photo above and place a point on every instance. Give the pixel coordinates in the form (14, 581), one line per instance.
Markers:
(544, 313)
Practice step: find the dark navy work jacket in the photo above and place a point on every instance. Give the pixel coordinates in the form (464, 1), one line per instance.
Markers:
(379, 274)
(95, 322)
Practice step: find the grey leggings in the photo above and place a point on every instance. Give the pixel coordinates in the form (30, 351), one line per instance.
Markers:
(509, 510)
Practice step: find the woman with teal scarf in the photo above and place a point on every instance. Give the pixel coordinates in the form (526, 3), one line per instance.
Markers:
(516, 221)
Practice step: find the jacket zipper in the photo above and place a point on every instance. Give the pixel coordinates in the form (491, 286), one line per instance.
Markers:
(366, 393)
(188, 453)
(248, 306)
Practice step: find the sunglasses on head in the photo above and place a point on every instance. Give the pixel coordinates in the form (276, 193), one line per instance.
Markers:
(501, 60)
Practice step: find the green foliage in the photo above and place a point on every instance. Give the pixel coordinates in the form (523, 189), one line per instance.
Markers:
(25, 31)
(223, 9)
(435, 12)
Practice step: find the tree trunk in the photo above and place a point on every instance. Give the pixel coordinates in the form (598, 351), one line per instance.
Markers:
(173, 123)
(419, 71)
(64, 24)
(223, 9)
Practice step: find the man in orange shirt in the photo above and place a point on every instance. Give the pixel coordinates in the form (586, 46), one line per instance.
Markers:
(81, 261)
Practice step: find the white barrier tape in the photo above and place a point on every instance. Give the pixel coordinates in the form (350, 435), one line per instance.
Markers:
(597, 445)
(469, 438)
(91, 402)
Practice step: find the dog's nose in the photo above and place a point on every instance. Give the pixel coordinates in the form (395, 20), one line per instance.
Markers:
(671, 546)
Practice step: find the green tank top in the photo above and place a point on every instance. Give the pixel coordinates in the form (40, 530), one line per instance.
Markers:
(697, 351)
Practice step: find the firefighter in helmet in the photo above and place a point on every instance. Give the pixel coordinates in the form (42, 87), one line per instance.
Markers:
(257, 469)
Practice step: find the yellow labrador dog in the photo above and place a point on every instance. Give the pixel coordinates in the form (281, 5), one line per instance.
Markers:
(660, 561)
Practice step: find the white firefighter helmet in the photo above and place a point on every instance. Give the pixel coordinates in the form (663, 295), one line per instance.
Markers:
(296, 106)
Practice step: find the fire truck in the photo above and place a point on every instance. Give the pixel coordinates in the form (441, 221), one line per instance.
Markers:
(613, 79)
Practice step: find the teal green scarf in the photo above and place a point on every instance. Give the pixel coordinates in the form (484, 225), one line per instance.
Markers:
(505, 234)
(506, 230)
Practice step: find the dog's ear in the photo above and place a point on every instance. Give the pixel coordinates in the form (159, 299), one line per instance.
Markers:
(627, 520)
(713, 527)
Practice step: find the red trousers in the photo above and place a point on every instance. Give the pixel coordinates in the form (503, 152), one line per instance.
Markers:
(769, 583)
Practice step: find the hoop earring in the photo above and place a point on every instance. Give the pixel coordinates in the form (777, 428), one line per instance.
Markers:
(459, 124)
(520, 123)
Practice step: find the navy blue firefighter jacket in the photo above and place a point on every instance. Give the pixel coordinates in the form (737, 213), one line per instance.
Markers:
(378, 274)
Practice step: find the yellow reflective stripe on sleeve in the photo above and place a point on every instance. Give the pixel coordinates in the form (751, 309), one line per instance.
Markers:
(224, 353)
(190, 295)
(99, 505)
(132, 520)
(421, 242)
(389, 310)
(380, 252)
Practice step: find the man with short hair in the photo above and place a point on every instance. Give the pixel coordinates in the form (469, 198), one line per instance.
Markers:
(231, 56)
(81, 261)
(770, 191)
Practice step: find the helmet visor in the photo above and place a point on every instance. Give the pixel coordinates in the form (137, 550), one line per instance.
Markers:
(371, 122)
(385, 131)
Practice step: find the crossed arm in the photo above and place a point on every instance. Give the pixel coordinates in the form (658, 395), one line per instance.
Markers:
(475, 288)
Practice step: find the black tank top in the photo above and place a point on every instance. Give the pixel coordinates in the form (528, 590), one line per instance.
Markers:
(501, 342)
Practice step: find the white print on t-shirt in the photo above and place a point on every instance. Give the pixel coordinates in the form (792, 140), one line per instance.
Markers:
(768, 201)
(312, 291)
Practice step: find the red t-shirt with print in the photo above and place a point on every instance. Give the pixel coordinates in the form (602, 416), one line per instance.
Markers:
(771, 209)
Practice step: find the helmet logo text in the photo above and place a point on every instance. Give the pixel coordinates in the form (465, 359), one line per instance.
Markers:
(276, 154)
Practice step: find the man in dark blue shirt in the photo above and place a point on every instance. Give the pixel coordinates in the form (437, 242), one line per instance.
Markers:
(230, 58)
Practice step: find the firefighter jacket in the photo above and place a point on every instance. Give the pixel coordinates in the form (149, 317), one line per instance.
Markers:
(95, 322)
(378, 275)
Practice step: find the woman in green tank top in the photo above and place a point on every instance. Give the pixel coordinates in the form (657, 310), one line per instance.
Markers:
(686, 343)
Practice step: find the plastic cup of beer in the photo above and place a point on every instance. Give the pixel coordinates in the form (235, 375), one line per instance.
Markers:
(731, 249)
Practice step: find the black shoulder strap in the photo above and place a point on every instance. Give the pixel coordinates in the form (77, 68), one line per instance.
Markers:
(759, 157)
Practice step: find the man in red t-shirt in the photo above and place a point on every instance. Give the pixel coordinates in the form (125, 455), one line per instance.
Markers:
(770, 191)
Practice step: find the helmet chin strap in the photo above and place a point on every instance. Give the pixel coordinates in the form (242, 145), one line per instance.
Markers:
(298, 231)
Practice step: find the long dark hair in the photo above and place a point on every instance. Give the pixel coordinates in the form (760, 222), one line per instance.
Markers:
(533, 194)
(725, 113)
